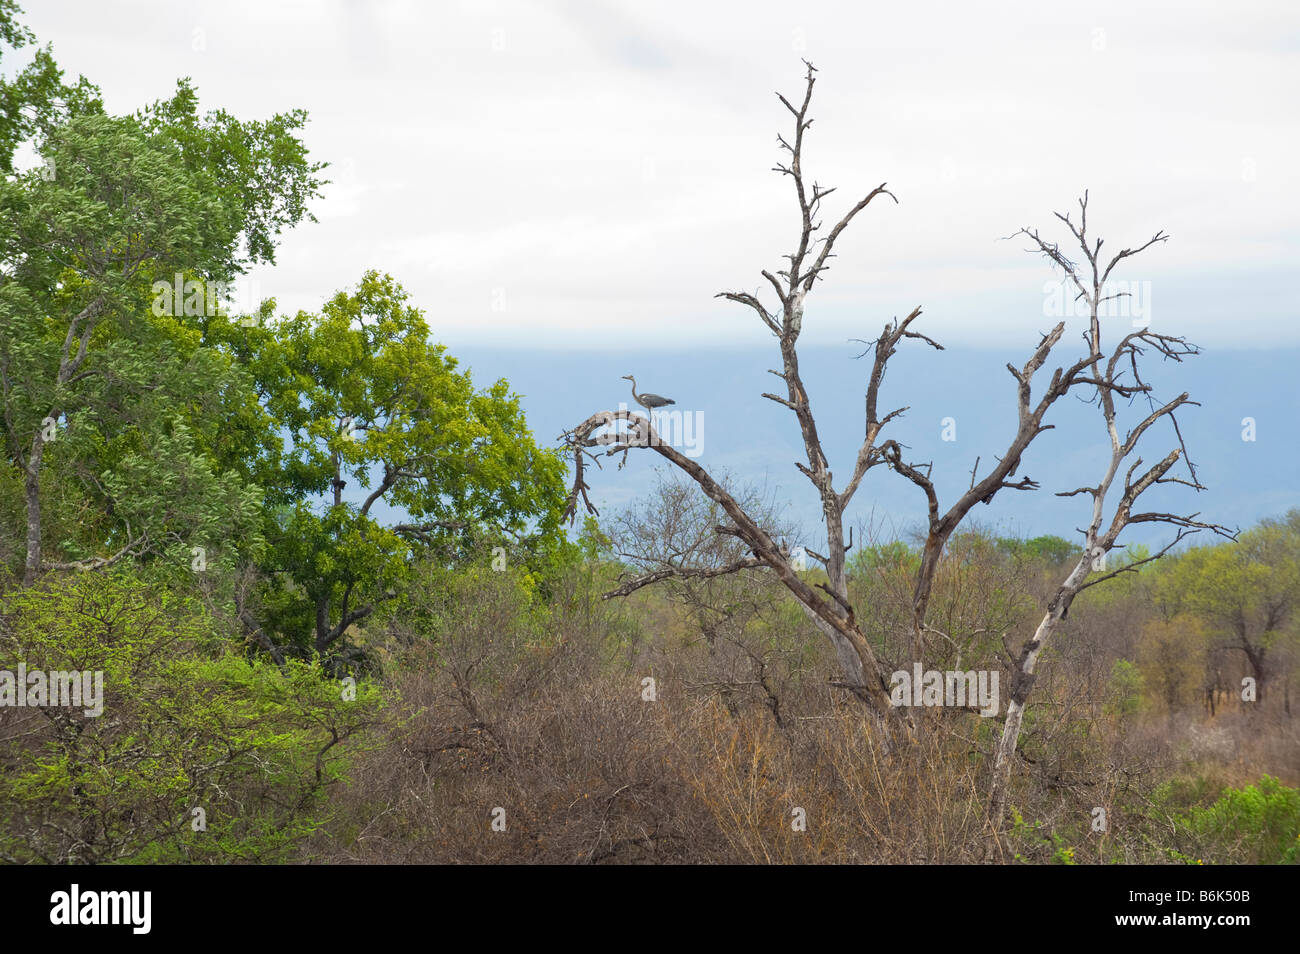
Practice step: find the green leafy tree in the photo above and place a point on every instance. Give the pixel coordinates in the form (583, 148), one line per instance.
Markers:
(159, 198)
(1246, 592)
(391, 455)
(259, 170)
(36, 99)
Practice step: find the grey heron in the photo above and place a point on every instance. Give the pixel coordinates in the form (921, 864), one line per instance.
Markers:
(647, 401)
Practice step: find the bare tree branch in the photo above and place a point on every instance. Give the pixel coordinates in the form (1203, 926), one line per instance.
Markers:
(687, 573)
(1105, 382)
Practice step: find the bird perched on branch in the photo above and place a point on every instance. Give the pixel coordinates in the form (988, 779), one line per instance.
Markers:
(647, 401)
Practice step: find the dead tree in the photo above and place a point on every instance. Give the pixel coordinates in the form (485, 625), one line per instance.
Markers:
(827, 604)
(1115, 376)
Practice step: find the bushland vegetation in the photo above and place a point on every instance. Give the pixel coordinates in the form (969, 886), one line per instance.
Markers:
(325, 579)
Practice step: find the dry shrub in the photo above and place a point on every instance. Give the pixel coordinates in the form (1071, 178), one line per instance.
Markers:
(913, 802)
(541, 710)
(551, 725)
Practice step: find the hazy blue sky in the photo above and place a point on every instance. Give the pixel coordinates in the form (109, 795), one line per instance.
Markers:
(588, 174)
(1249, 473)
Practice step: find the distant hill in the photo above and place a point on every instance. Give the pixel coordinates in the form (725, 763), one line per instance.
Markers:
(757, 440)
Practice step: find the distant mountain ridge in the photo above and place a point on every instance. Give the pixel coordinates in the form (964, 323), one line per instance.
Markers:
(756, 440)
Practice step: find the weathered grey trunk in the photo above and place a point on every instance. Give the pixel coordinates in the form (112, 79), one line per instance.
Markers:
(1023, 682)
(32, 494)
(75, 344)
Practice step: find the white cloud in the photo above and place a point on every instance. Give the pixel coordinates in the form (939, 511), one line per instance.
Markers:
(608, 164)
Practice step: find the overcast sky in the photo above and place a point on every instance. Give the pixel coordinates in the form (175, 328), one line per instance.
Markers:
(584, 174)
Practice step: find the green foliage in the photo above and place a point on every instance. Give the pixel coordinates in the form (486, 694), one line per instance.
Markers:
(258, 170)
(36, 99)
(1244, 593)
(444, 604)
(145, 421)
(365, 400)
(1233, 585)
(884, 557)
(1258, 825)
(593, 543)
(186, 724)
(1034, 837)
(149, 449)
(1050, 551)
